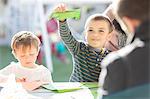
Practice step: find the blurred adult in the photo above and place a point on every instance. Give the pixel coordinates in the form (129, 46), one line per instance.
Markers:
(119, 37)
(125, 73)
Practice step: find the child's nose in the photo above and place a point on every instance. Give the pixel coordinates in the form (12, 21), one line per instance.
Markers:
(28, 56)
(95, 34)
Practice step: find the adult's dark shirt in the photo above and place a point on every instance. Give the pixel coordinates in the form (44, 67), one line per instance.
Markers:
(130, 69)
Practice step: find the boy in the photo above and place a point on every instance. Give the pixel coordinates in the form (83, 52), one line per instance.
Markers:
(25, 47)
(87, 56)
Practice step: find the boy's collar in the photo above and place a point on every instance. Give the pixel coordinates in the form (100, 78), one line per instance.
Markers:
(96, 49)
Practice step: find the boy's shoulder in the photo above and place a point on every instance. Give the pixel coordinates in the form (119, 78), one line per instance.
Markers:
(83, 44)
(13, 63)
(41, 66)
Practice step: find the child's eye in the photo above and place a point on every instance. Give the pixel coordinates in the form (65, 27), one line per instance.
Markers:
(90, 30)
(101, 31)
(22, 56)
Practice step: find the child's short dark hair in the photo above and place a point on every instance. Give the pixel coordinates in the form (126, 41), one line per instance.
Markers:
(24, 38)
(97, 17)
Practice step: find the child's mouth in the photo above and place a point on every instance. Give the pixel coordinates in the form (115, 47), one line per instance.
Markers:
(28, 62)
(95, 39)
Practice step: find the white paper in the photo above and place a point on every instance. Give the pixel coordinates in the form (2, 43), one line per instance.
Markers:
(80, 94)
(13, 90)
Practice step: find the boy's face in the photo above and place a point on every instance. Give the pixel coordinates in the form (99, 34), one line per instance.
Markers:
(27, 57)
(97, 32)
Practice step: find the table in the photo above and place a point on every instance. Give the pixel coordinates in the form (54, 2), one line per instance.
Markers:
(88, 91)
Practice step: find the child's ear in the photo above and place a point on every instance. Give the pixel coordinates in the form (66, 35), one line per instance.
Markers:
(39, 49)
(109, 35)
(85, 36)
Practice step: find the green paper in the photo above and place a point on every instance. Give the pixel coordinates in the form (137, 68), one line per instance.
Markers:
(75, 14)
(63, 87)
(93, 87)
(90, 85)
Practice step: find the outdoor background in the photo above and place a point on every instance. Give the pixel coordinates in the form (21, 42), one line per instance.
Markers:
(33, 15)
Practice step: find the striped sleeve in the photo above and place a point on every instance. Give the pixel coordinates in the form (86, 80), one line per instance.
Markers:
(72, 44)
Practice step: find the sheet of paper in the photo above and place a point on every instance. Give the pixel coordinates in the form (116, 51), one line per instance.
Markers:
(79, 94)
(63, 86)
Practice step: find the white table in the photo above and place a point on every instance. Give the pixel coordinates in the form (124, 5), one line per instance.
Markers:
(83, 93)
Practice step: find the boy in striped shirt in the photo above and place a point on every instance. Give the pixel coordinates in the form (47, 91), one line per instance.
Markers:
(87, 56)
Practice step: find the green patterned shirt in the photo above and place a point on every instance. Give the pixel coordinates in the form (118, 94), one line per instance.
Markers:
(86, 60)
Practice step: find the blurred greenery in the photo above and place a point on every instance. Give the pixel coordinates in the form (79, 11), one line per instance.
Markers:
(61, 71)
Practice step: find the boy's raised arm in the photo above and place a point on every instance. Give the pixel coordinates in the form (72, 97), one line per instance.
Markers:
(65, 33)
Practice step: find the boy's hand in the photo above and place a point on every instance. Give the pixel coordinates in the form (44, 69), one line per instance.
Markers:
(31, 85)
(20, 79)
(61, 8)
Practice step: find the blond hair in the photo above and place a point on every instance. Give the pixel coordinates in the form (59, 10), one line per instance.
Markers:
(24, 39)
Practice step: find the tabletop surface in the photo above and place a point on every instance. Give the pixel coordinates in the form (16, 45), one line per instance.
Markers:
(86, 91)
